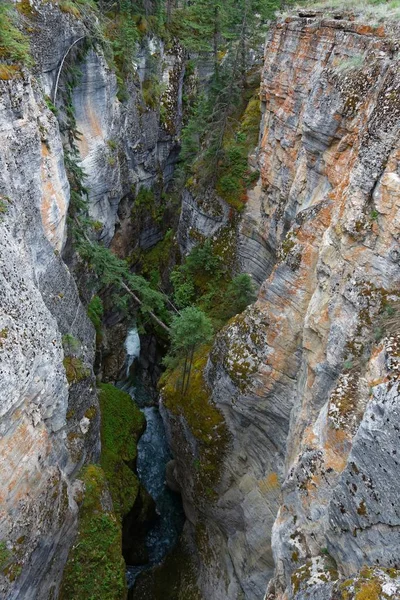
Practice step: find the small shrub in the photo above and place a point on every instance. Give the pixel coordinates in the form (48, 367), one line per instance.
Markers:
(5, 555)
(8, 72)
(50, 105)
(70, 344)
(112, 144)
(67, 6)
(95, 312)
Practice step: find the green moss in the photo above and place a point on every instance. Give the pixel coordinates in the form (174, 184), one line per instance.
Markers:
(75, 369)
(95, 568)
(90, 413)
(122, 423)
(95, 312)
(320, 569)
(239, 359)
(235, 177)
(205, 421)
(5, 555)
(3, 335)
(367, 585)
(288, 244)
(12, 571)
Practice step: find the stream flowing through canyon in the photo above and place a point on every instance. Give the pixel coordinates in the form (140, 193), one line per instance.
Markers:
(153, 456)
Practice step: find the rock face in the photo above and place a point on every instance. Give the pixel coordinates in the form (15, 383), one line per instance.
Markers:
(307, 378)
(49, 416)
(42, 444)
(124, 147)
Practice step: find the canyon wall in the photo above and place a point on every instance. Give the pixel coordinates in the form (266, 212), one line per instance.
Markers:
(49, 415)
(307, 377)
(287, 456)
(45, 435)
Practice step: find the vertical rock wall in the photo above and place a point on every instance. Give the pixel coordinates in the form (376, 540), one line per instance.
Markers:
(49, 417)
(40, 450)
(307, 378)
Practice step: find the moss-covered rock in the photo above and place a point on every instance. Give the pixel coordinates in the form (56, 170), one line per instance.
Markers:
(371, 583)
(204, 420)
(122, 423)
(95, 569)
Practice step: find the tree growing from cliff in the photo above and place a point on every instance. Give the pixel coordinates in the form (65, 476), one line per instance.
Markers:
(189, 329)
(241, 292)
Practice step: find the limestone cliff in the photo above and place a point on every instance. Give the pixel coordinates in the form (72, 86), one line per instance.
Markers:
(307, 378)
(45, 435)
(49, 414)
(286, 453)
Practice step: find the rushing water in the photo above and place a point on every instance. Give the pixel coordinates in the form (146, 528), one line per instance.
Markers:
(132, 347)
(153, 456)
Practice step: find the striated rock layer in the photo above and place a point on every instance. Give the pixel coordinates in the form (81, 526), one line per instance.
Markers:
(45, 435)
(49, 416)
(307, 378)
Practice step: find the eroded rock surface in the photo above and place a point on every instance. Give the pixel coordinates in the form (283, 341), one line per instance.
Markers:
(307, 378)
(42, 444)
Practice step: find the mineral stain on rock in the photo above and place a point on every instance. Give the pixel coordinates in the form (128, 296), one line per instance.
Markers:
(284, 446)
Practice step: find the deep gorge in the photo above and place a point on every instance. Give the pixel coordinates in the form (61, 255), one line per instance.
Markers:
(200, 250)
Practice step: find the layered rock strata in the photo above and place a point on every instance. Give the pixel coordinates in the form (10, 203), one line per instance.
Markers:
(49, 415)
(45, 434)
(307, 378)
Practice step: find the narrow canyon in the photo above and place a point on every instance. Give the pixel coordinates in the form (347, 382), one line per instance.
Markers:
(199, 300)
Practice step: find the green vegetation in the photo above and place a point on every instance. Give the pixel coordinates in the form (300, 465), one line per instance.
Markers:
(3, 207)
(14, 46)
(50, 105)
(234, 176)
(376, 10)
(145, 204)
(189, 329)
(74, 366)
(95, 568)
(156, 261)
(75, 369)
(204, 280)
(95, 312)
(122, 423)
(368, 584)
(5, 555)
(204, 420)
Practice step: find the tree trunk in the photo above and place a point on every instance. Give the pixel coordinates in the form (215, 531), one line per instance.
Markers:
(190, 370)
(184, 376)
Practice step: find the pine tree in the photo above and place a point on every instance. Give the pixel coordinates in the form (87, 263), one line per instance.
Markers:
(190, 328)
